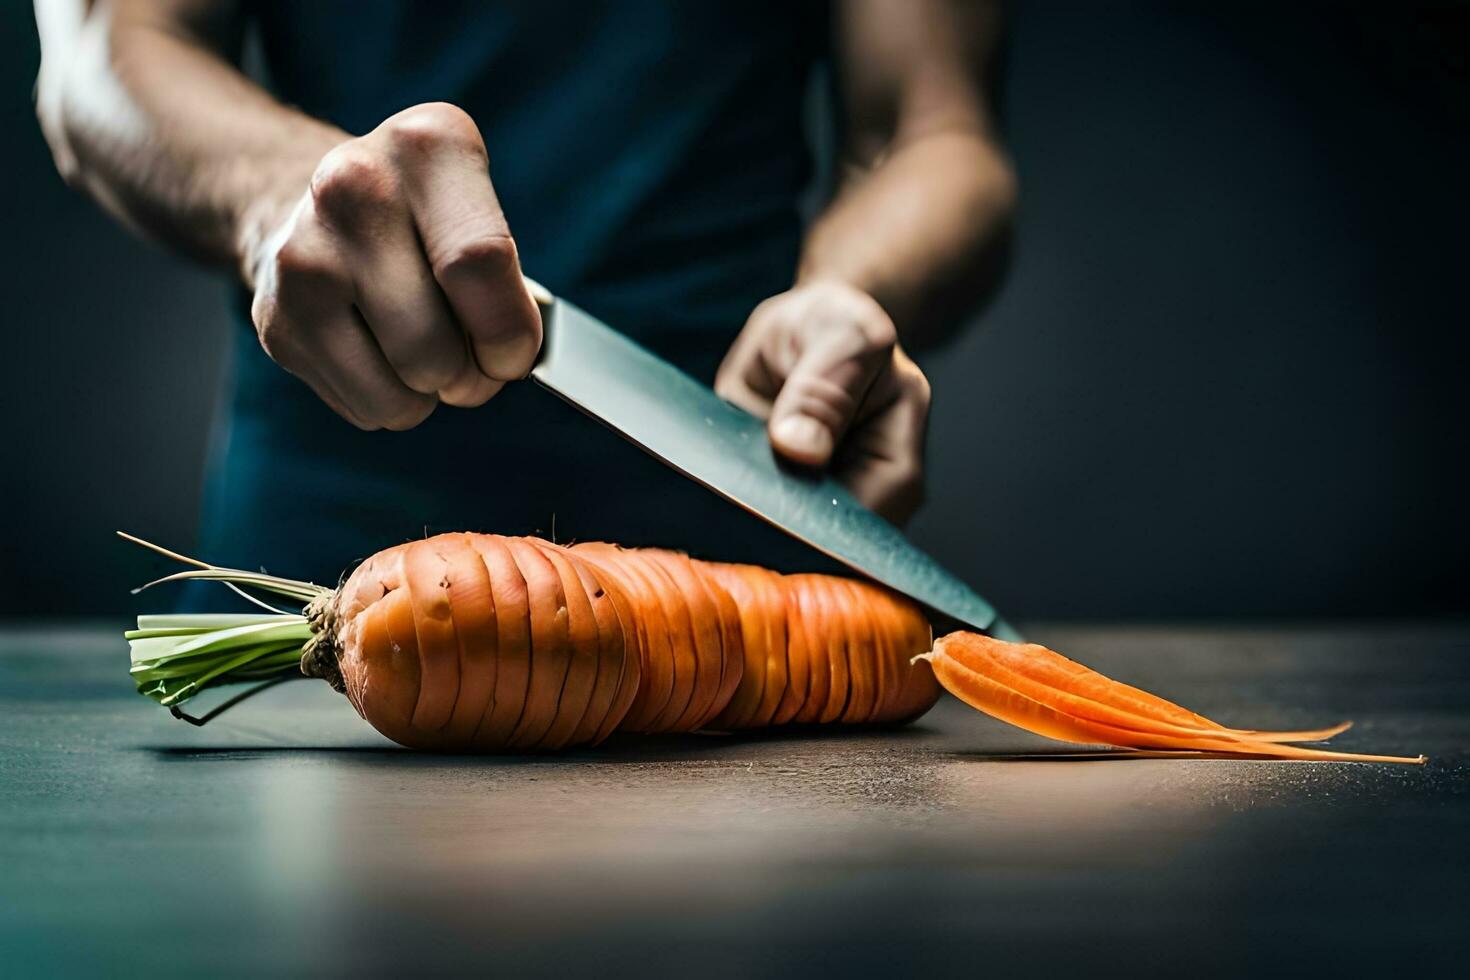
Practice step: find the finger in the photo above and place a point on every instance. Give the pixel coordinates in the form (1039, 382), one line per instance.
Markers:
(882, 459)
(465, 236)
(746, 378)
(338, 357)
(356, 192)
(829, 381)
(471, 388)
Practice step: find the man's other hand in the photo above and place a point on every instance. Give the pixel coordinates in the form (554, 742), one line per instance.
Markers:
(822, 364)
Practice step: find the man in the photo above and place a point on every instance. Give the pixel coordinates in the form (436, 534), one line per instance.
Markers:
(643, 158)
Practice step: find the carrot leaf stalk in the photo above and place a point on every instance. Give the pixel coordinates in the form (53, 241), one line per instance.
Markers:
(174, 657)
(1041, 691)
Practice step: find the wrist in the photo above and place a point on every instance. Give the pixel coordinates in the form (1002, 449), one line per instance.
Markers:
(268, 208)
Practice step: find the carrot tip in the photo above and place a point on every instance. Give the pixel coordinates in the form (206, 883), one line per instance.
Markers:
(922, 656)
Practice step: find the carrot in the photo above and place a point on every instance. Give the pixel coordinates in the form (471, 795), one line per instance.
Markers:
(1034, 688)
(478, 642)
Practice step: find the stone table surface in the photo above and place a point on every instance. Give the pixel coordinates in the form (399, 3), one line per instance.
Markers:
(287, 838)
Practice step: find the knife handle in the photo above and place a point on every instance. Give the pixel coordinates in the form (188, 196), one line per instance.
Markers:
(538, 292)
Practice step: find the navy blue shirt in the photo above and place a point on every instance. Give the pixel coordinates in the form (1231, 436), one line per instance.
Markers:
(649, 156)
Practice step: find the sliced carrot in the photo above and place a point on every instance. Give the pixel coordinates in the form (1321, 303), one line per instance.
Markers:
(625, 650)
(607, 631)
(513, 642)
(979, 654)
(582, 652)
(853, 615)
(815, 638)
(550, 654)
(472, 609)
(745, 699)
(993, 697)
(426, 582)
(657, 659)
(698, 621)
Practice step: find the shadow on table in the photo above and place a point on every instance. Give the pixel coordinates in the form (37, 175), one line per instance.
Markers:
(625, 748)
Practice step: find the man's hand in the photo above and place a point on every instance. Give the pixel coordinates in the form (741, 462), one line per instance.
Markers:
(391, 283)
(822, 364)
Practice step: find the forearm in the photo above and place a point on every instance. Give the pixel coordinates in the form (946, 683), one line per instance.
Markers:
(159, 128)
(925, 231)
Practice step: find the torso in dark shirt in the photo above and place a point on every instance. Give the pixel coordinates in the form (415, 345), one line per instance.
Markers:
(649, 156)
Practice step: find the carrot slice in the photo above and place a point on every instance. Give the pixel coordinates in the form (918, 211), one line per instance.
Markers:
(856, 615)
(995, 698)
(472, 610)
(609, 652)
(625, 652)
(798, 657)
(752, 613)
(382, 672)
(513, 642)
(648, 627)
(582, 651)
(550, 654)
(426, 582)
(679, 636)
(697, 609)
(811, 626)
(731, 635)
(830, 599)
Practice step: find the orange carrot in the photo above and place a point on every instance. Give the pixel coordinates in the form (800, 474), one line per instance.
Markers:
(1034, 689)
(477, 642)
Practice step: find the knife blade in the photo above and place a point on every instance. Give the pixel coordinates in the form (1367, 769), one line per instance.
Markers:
(683, 423)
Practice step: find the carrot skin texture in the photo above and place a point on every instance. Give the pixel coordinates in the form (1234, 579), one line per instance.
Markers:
(512, 643)
(474, 642)
(425, 580)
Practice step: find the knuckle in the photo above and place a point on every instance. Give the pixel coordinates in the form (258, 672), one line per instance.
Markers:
(408, 415)
(878, 331)
(479, 257)
(297, 263)
(429, 375)
(433, 127)
(274, 334)
(352, 179)
(919, 388)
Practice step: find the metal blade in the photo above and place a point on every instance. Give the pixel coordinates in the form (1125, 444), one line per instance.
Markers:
(689, 427)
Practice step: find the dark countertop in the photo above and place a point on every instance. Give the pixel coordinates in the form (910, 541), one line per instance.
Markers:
(287, 836)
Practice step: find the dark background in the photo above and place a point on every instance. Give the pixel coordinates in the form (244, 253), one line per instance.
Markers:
(1225, 378)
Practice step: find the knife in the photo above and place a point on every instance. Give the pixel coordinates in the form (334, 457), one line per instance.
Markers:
(683, 423)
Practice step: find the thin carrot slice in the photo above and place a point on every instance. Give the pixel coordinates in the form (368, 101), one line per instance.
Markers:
(815, 641)
(829, 598)
(384, 674)
(609, 652)
(472, 609)
(679, 634)
(549, 651)
(626, 652)
(778, 665)
(425, 581)
(703, 633)
(732, 645)
(855, 612)
(745, 699)
(513, 643)
(582, 650)
(794, 695)
(656, 667)
(996, 699)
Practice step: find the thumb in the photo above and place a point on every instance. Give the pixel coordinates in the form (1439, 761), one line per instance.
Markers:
(821, 397)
